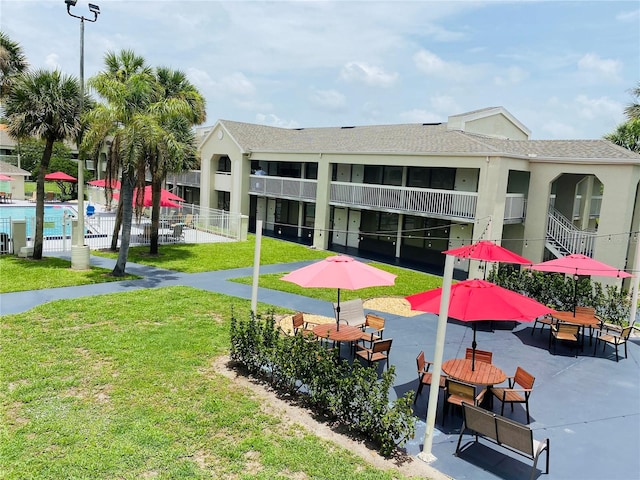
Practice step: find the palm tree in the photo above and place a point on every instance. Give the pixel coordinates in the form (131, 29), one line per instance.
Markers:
(12, 63)
(127, 85)
(178, 107)
(627, 135)
(43, 104)
(633, 110)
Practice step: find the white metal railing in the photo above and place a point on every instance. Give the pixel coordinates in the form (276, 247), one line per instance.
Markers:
(422, 201)
(565, 234)
(283, 187)
(435, 202)
(191, 224)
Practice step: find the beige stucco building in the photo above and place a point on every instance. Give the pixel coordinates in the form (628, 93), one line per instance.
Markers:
(408, 192)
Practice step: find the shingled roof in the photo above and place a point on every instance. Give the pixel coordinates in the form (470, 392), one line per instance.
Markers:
(416, 139)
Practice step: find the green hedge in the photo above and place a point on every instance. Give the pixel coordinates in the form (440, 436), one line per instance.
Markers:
(350, 394)
(556, 290)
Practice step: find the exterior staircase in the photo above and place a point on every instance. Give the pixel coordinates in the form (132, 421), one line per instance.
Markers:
(563, 238)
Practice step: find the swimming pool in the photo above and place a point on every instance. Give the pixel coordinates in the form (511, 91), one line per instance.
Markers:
(53, 218)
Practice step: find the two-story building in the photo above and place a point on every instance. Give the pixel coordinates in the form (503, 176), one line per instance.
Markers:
(409, 192)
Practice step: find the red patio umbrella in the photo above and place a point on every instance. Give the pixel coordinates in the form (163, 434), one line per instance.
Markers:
(146, 202)
(476, 300)
(60, 177)
(5, 178)
(115, 184)
(489, 252)
(579, 265)
(340, 272)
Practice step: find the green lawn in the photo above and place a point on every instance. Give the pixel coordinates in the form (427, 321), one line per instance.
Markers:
(20, 274)
(407, 282)
(207, 257)
(124, 386)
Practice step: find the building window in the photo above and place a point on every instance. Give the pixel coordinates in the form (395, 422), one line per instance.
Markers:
(425, 177)
(224, 164)
(383, 175)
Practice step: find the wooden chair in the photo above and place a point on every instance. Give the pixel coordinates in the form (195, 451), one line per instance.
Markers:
(188, 220)
(481, 355)
(424, 375)
(300, 326)
(586, 310)
(567, 332)
(615, 338)
(458, 392)
(373, 328)
(378, 351)
(547, 320)
(524, 381)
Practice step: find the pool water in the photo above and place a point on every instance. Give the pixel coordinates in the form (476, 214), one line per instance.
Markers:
(53, 218)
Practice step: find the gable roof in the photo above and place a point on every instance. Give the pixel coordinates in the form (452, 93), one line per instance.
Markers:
(8, 169)
(416, 139)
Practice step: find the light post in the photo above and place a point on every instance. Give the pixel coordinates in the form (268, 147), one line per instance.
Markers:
(80, 251)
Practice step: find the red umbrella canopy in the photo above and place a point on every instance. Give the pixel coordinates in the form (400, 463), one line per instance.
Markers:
(340, 271)
(164, 195)
(577, 264)
(475, 300)
(146, 202)
(60, 177)
(5, 178)
(115, 184)
(489, 252)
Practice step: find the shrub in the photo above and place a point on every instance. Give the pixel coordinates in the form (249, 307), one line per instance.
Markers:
(350, 394)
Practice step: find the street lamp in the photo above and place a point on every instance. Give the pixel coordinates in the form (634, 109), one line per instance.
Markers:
(80, 251)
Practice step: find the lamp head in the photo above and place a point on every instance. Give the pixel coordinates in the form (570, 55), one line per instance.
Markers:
(71, 3)
(94, 8)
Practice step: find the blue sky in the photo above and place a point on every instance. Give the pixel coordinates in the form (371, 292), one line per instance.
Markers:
(564, 69)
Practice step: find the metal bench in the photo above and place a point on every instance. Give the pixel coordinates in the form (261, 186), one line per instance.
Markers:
(501, 431)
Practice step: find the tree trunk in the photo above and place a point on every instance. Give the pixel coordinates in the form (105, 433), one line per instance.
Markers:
(116, 227)
(39, 235)
(156, 189)
(126, 198)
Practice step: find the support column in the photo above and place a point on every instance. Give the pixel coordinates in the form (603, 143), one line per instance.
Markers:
(323, 196)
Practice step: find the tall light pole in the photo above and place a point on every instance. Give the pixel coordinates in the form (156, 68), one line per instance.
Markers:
(80, 251)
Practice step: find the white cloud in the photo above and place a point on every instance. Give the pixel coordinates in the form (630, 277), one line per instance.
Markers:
(52, 61)
(558, 129)
(445, 105)
(596, 108)
(367, 74)
(274, 121)
(630, 16)
(420, 116)
(602, 67)
(431, 64)
(235, 84)
(511, 76)
(329, 100)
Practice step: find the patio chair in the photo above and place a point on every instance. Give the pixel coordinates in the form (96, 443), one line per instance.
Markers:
(378, 351)
(373, 328)
(547, 320)
(351, 312)
(424, 375)
(614, 338)
(188, 220)
(524, 381)
(566, 332)
(458, 392)
(481, 355)
(300, 326)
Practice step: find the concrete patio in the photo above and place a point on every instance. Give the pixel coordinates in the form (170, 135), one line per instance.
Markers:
(588, 406)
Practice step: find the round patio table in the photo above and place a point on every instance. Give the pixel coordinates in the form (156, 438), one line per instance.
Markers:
(346, 333)
(484, 373)
(584, 320)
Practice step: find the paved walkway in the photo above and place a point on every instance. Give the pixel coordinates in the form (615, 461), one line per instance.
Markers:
(589, 406)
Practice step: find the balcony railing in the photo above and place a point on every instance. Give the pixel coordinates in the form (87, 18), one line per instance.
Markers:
(283, 187)
(421, 201)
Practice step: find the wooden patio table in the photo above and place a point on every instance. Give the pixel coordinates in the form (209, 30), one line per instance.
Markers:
(346, 333)
(583, 320)
(484, 374)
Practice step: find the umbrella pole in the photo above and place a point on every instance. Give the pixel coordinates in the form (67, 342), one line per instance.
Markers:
(338, 312)
(473, 347)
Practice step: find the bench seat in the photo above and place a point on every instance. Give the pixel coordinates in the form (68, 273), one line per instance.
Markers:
(504, 432)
